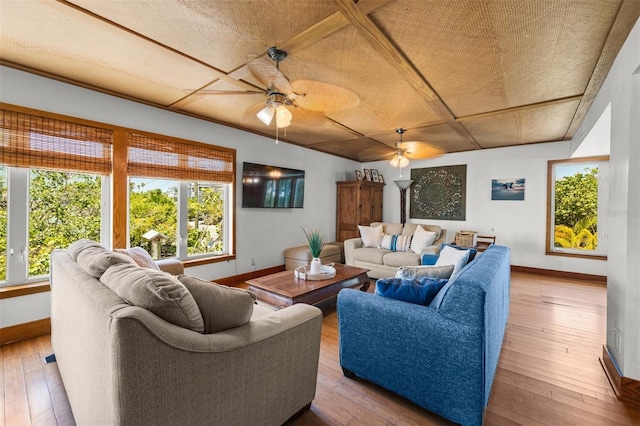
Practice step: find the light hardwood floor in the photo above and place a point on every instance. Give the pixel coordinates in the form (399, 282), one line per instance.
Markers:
(548, 374)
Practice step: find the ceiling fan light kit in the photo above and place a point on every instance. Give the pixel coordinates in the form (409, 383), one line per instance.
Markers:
(275, 106)
(266, 114)
(416, 150)
(283, 117)
(399, 160)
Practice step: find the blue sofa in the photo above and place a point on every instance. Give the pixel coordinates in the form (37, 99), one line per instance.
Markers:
(443, 356)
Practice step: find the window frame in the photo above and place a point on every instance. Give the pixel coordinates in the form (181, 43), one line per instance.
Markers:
(603, 191)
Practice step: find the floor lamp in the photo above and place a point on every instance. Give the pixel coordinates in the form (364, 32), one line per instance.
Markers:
(403, 185)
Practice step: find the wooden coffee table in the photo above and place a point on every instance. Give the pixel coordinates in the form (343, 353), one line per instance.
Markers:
(284, 289)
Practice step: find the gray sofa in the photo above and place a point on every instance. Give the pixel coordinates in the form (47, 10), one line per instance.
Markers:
(122, 364)
(384, 263)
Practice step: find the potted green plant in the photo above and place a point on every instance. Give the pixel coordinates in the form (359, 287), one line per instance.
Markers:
(315, 242)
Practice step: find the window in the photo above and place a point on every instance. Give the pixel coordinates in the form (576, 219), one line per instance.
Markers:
(56, 187)
(577, 197)
(52, 174)
(153, 216)
(63, 207)
(179, 199)
(206, 227)
(154, 206)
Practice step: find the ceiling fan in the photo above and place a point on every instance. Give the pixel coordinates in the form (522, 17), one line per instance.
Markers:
(310, 95)
(406, 150)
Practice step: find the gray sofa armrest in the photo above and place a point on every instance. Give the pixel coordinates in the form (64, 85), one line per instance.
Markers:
(260, 373)
(442, 239)
(349, 246)
(434, 249)
(172, 266)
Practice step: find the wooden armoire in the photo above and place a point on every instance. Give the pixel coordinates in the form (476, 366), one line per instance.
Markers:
(359, 203)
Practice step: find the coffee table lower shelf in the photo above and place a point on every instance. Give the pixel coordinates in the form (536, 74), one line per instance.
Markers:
(284, 289)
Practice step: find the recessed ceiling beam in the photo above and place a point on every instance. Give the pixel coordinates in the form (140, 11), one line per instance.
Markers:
(319, 30)
(367, 28)
(521, 108)
(327, 26)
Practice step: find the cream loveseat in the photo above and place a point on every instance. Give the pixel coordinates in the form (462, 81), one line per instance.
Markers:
(384, 262)
(124, 364)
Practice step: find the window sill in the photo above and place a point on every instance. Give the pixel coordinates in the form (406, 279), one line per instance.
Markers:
(24, 289)
(577, 255)
(206, 260)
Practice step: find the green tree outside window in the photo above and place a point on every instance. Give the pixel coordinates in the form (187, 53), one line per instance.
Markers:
(576, 210)
(63, 207)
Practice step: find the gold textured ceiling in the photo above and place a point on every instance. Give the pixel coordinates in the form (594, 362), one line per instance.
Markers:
(459, 74)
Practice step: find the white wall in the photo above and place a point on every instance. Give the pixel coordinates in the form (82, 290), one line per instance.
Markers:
(621, 90)
(262, 234)
(520, 225)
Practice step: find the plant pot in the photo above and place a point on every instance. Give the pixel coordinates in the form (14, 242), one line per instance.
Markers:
(316, 266)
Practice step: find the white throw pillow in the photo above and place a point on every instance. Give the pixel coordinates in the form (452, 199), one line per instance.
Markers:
(422, 239)
(371, 235)
(452, 256)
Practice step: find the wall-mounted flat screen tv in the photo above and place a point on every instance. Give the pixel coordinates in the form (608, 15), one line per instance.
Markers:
(271, 186)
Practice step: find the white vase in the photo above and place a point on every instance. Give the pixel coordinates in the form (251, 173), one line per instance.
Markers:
(316, 266)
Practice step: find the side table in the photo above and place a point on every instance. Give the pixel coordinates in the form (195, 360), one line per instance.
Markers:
(484, 241)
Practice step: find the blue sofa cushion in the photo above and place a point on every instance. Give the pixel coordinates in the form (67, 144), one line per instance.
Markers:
(429, 259)
(420, 291)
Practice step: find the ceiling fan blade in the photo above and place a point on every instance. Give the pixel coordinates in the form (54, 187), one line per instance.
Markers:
(319, 96)
(307, 117)
(376, 153)
(223, 92)
(268, 74)
(420, 150)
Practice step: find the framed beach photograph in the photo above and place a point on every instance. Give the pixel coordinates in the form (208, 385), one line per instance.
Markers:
(374, 175)
(367, 174)
(507, 189)
(358, 175)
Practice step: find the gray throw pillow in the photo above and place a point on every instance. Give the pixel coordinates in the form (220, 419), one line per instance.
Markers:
(418, 272)
(96, 260)
(156, 291)
(76, 247)
(222, 307)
